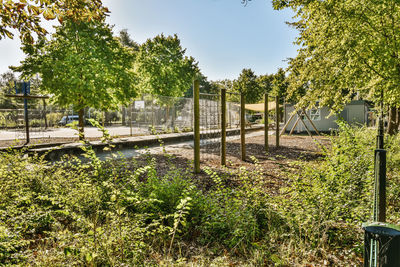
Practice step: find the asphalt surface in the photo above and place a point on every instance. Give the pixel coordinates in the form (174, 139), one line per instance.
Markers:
(65, 132)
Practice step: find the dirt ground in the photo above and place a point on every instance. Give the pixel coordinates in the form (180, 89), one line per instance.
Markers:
(48, 141)
(292, 148)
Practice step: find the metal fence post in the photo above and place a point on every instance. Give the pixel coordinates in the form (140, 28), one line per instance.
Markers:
(266, 113)
(242, 127)
(196, 125)
(130, 120)
(223, 126)
(44, 113)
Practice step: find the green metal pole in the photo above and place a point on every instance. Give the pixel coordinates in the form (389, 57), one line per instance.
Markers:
(379, 141)
(223, 127)
(242, 127)
(277, 120)
(196, 126)
(380, 185)
(266, 122)
(130, 120)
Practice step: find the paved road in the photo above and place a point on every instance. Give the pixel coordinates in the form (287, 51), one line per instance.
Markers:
(68, 132)
(169, 148)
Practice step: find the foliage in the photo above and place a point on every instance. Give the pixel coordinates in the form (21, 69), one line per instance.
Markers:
(327, 201)
(25, 15)
(126, 40)
(83, 65)
(163, 67)
(247, 84)
(119, 212)
(145, 212)
(280, 83)
(206, 86)
(265, 83)
(347, 48)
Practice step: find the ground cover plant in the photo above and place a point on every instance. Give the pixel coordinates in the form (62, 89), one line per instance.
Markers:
(153, 210)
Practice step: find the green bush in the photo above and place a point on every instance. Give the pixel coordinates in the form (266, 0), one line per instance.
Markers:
(53, 118)
(327, 201)
(124, 212)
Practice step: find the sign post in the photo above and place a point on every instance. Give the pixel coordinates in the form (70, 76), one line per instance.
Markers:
(25, 93)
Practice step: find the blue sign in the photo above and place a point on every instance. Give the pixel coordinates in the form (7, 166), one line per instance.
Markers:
(25, 88)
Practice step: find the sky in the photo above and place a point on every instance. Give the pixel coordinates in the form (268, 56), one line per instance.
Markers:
(223, 36)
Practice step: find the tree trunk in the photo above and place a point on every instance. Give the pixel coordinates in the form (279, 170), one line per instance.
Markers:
(123, 116)
(393, 124)
(81, 124)
(398, 117)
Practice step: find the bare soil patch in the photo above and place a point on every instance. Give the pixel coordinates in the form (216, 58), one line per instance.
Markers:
(272, 164)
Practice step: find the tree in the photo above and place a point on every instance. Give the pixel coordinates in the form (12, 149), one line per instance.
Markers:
(206, 86)
(25, 16)
(6, 84)
(347, 48)
(126, 40)
(247, 84)
(265, 83)
(279, 83)
(163, 67)
(83, 65)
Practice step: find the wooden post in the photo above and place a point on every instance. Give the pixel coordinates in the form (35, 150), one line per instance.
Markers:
(196, 125)
(311, 122)
(277, 120)
(295, 124)
(305, 125)
(223, 127)
(242, 127)
(266, 113)
(287, 122)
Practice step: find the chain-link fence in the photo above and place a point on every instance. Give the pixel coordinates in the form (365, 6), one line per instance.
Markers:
(148, 115)
(161, 114)
(210, 127)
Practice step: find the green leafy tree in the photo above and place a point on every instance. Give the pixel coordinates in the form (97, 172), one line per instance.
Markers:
(206, 86)
(163, 67)
(7, 86)
(280, 84)
(126, 40)
(83, 65)
(265, 83)
(247, 84)
(25, 15)
(347, 48)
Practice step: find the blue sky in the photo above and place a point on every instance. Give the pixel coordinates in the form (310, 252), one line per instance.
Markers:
(222, 35)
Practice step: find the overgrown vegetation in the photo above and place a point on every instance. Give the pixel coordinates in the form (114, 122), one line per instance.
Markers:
(129, 212)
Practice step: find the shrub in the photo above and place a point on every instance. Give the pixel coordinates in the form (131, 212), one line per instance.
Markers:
(327, 201)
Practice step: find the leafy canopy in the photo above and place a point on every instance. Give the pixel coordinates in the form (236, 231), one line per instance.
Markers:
(347, 47)
(163, 67)
(248, 85)
(25, 16)
(83, 65)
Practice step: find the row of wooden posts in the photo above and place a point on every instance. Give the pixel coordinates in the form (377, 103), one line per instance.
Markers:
(196, 127)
